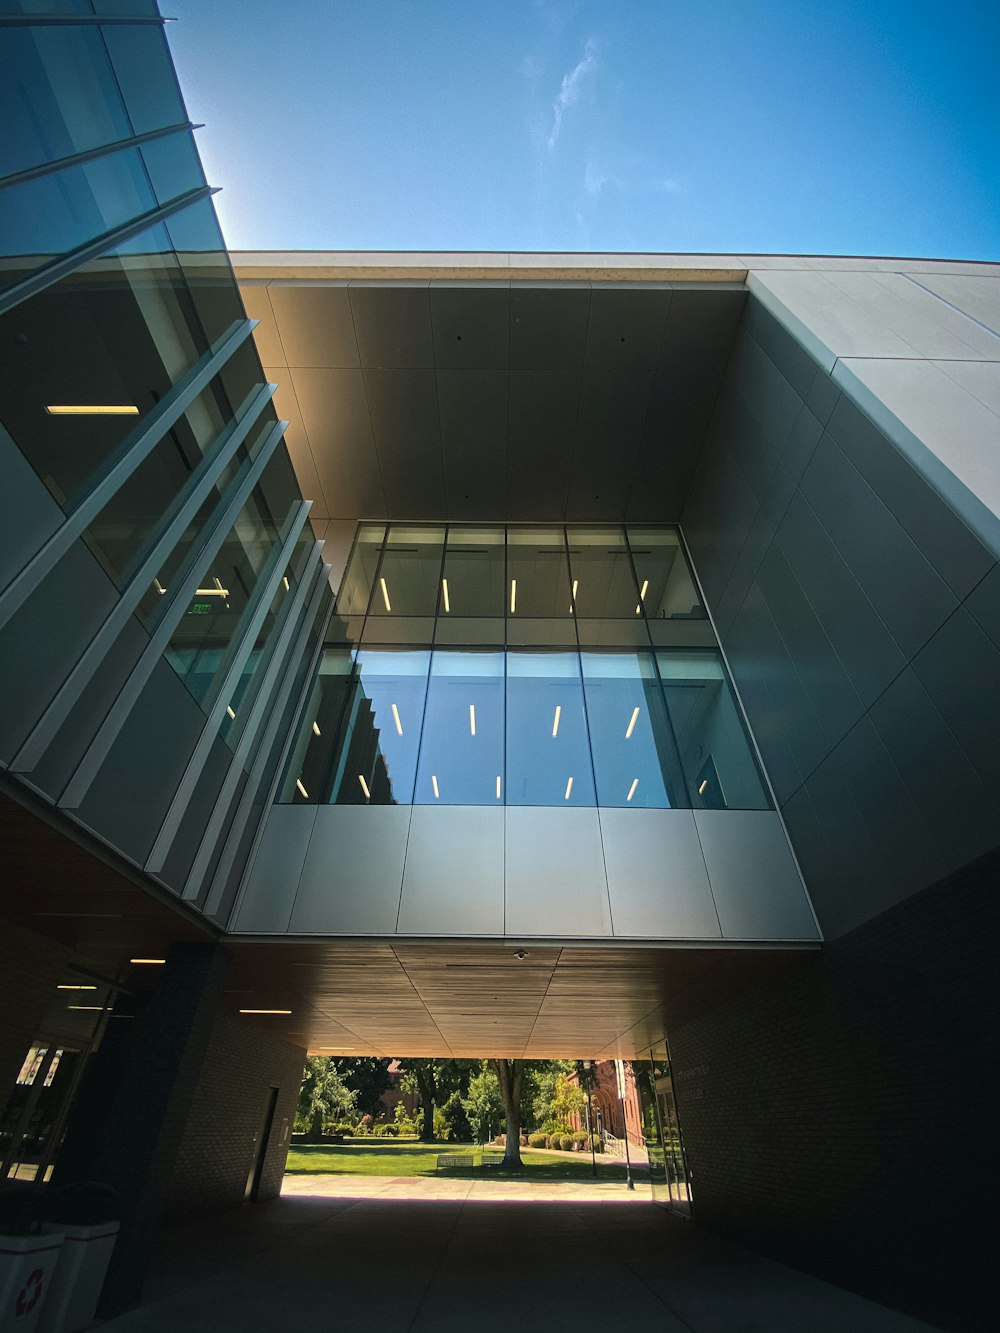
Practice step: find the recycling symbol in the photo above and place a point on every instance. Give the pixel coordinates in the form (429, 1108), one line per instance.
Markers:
(30, 1294)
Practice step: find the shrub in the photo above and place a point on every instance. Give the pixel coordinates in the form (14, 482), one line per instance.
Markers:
(523, 1140)
(538, 1140)
(579, 1140)
(566, 1142)
(365, 1124)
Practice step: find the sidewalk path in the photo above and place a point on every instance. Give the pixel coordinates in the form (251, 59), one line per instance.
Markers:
(430, 1255)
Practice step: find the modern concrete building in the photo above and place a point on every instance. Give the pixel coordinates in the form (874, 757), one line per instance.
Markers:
(488, 654)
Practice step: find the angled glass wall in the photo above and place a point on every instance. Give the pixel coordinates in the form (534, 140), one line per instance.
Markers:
(520, 666)
(161, 593)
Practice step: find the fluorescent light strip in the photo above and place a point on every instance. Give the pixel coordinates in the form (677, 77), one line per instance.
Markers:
(316, 730)
(220, 591)
(92, 410)
(434, 785)
(150, 962)
(395, 718)
(88, 1008)
(632, 722)
(642, 595)
(159, 587)
(472, 719)
(286, 583)
(631, 790)
(385, 595)
(65, 985)
(230, 711)
(305, 794)
(444, 588)
(701, 789)
(572, 605)
(555, 720)
(265, 1011)
(569, 788)
(513, 596)
(498, 786)
(364, 786)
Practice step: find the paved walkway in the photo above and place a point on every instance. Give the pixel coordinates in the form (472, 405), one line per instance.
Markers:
(434, 1255)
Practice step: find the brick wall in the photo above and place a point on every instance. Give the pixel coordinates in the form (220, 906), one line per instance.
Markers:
(241, 1066)
(842, 1117)
(30, 968)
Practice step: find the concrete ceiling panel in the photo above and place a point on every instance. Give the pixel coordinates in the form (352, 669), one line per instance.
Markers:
(335, 409)
(393, 325)
(405, 422)
(316, 325)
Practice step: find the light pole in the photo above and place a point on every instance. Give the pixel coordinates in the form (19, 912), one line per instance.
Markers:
(620, 1076)
(590, 1118)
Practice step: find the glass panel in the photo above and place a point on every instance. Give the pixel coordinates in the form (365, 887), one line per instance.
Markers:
(634, 755)
(665, 584)
(145, 74)
(548, 757)
(375, 761)
(310, 758)
(58, 96)
(173, 166)
(719, 765)
(602, 582)
(122, 531)
(119, 332)
(473, 579)
(538, 582)
(410, 572)
(361, 570)
(151, 605)
(238, 709)
(461, 752)
(44, 218)
(199, 646)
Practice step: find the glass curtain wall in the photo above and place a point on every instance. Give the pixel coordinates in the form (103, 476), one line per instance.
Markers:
(518, 666)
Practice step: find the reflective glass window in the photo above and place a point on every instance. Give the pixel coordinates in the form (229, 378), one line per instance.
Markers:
(666, 587)
(118, 333)
(145, 74)
(58, 95)
(199, 648)
(309, 762)
(375, 760)
(462, 747)
(603, 585)
(548, 754)
(635, 758)
(719, 764)
(472, 582)
(538, 582)
(409, 576)
(362, 570)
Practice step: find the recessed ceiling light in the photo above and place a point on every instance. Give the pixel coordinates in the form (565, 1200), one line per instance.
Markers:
(305, 794)
(701, 789)
(498, 786)
(152, 962)
(385, 595)
(395, 718)
(364, 786)
(447, 603)
(92, 410)
(87, 1008)
(569, 788)
(316, 729)
(513, 596)
(229, 710)
(265, 1011)
(434, 786)
(631, 790)
(472, 719)
(632, 722)
(66, 985)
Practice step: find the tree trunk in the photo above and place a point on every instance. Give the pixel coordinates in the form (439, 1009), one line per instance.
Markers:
(425, 1082)
(511, 1074)
(315, 1134)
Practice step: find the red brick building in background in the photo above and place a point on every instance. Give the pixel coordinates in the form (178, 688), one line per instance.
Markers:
(608, 1105)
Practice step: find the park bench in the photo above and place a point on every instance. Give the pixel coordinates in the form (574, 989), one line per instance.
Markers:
(455, 1160)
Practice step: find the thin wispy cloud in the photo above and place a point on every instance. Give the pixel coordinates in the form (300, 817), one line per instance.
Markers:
(569, 91)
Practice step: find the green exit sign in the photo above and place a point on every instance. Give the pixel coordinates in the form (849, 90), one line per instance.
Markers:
(200, 609)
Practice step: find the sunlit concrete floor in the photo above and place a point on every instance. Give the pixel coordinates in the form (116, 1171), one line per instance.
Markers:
(390, 1253)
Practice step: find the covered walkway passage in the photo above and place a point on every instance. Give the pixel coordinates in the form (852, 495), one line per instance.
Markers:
(400, 1254)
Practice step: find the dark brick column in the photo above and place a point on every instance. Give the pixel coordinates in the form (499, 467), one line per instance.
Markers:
(134, 1140)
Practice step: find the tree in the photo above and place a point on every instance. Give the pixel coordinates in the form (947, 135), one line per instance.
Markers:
(435, 1081)
(547, 1073)
(510, 1074)
(367, 1077)
(322, 1097)
(483, 1103)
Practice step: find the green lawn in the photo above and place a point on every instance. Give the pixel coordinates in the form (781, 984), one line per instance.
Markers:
(420, 1159)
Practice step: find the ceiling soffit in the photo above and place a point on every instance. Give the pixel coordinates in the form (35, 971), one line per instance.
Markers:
(490, 399)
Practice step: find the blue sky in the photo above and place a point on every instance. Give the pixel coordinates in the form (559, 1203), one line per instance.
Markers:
(845, 127)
